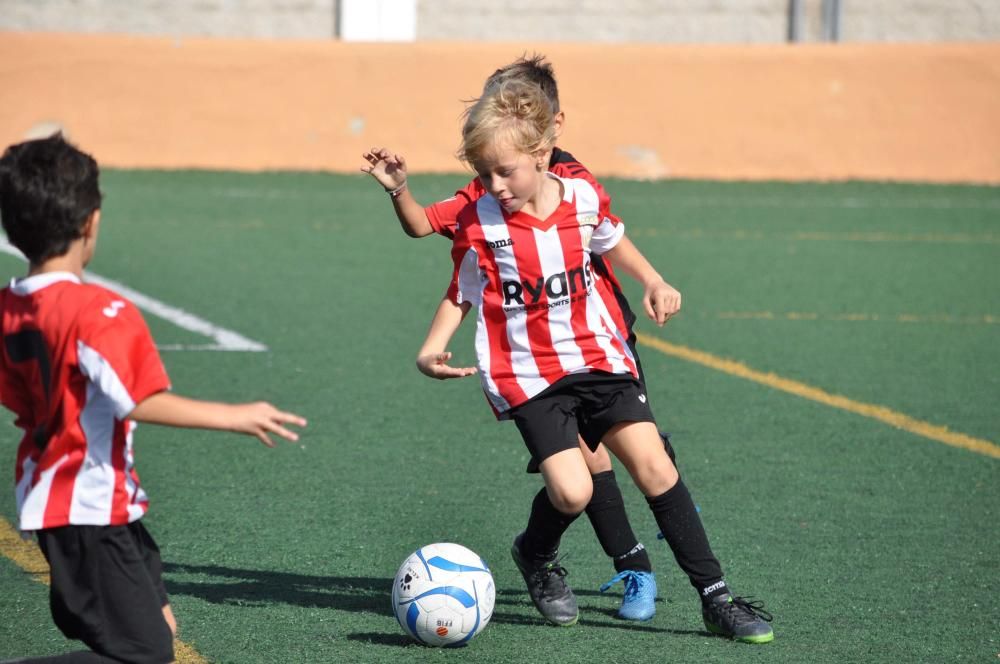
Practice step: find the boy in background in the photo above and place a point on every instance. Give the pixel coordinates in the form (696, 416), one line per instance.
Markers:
(78, 368)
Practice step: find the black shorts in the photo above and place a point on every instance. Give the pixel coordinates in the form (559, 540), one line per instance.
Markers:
(631, 341)
(533, 464)
(107, 590)
(585, 405)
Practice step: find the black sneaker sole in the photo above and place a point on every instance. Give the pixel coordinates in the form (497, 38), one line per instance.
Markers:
(760, 638)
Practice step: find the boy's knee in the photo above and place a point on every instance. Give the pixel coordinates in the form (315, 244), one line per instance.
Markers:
(571, 500)
(655, 475)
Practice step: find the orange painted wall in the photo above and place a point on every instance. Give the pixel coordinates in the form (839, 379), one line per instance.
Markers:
(807, 112)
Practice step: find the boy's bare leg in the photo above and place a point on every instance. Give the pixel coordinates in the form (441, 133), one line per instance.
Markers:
(639, 447)
(567, 480)
(168, 615)
(607, 515)
(606, 511)
(598, 461)
(535, 551)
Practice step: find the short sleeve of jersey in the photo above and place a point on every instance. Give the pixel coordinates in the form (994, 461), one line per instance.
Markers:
(443, 215)
(606, 236)
(465, 283)
(610, 229)
(117, 354)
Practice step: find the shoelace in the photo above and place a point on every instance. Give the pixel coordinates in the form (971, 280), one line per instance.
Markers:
(744, 611)
(541, 576)
(633, 582)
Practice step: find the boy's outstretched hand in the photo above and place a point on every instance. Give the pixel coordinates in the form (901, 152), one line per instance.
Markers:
(261, 418)
(256, 419)
(661, 301)
(387, 168)
(435, 365)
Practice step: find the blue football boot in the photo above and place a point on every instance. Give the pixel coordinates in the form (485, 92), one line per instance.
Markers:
(639, 601)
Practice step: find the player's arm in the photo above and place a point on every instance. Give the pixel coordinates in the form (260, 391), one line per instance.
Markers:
(660, 299)
(389, 170)
(432, 360)
(256, 419)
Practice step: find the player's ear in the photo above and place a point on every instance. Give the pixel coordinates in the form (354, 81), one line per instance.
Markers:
(542, 158)
(558, 120)
(92, 225)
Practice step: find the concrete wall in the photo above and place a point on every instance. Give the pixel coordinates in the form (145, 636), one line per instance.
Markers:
(619, 21)
(282, 19)
(921, 20)
(609, 21)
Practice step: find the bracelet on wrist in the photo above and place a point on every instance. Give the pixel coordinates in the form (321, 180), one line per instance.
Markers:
(394, 193)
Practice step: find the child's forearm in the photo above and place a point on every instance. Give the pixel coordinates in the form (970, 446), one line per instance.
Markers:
(389, 170)
(176, 411)
(625, 256)
(411, 214)
(446, 320)
(432, 360)
(659, 299)
(257, 419)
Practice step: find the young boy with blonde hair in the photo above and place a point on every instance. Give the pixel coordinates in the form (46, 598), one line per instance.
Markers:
(606, 510)
(551, 352)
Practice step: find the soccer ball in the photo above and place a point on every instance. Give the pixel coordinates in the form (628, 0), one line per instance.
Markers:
(443, 595)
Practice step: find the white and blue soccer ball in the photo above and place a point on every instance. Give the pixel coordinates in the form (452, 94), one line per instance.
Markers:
(443, 595)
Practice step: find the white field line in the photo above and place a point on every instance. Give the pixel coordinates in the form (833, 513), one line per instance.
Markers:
(225, 340)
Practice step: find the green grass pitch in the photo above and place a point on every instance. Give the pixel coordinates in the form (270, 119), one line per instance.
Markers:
(867, 542)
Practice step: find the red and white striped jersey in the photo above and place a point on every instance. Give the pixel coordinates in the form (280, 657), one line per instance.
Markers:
(76, 360)
(543, 312)
(443, 215)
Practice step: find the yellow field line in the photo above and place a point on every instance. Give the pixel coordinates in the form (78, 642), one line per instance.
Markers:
(899, 420)
(985, 319)
(27, 556)
(856, 236)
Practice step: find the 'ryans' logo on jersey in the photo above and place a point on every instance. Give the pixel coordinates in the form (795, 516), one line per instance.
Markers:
(112, 310)
(559, 289)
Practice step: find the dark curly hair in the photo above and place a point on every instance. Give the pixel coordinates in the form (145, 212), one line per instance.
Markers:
(48, 190)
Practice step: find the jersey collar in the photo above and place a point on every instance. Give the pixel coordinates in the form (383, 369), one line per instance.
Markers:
(32, 284)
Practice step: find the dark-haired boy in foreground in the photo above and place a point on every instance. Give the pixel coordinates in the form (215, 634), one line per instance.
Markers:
(78, 368)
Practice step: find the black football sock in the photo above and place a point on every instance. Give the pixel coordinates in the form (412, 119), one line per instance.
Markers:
(681, 526)
(546, 526)
(606, 511)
